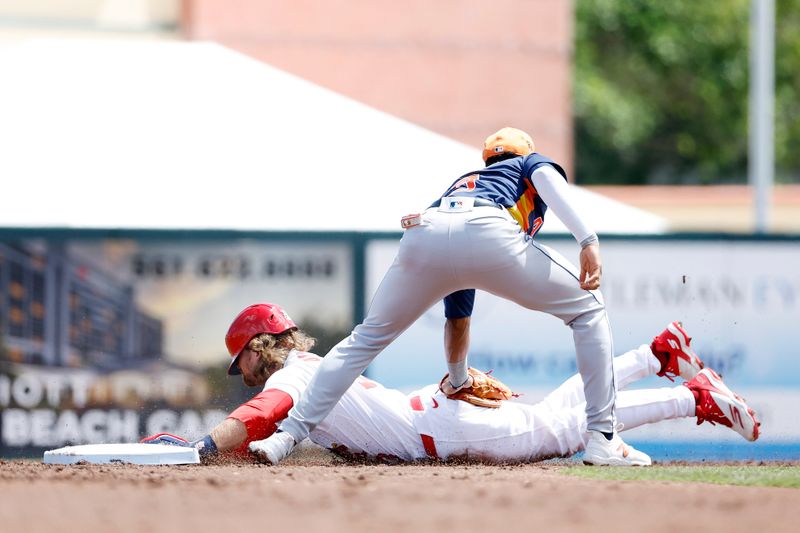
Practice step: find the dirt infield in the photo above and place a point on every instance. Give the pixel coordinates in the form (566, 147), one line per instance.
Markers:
(334, 497)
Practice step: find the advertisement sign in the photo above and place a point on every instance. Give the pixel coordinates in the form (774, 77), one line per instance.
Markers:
(739, 299)
(109, 340)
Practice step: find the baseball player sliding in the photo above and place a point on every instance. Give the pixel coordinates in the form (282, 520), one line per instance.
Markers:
(479, 234)
(370, 420)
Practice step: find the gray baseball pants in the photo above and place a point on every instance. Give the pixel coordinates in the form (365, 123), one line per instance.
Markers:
(483, 248)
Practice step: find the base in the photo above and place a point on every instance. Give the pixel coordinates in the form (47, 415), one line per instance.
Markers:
(137, 454)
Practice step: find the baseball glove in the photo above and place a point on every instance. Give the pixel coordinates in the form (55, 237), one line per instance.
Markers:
(485, 391)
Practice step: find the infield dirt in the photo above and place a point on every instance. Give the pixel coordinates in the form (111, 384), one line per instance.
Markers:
(353, 498)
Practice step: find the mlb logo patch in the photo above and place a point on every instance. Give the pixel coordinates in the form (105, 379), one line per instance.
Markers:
(456, 204)
(499, 149)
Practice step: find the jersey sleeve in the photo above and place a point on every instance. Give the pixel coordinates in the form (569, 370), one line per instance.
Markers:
(536, 160)
(261, 414)
(294, 379)
(556, 193)
(459, 304)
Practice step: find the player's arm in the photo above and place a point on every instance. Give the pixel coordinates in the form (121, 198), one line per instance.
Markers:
(456, 338)
(458, 310)
(253, 420)
(553, 189)
(256, 419)
(229, 434)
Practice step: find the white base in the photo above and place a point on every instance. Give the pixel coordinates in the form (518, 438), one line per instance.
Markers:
(137, 454)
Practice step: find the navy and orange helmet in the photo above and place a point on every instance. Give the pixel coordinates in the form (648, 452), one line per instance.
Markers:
(507, 140)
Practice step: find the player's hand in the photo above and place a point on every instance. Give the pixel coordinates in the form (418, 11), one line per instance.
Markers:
(205, 446)
(167, 438)
(591, 267)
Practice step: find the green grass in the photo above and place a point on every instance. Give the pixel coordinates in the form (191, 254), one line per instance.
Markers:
(747, 475)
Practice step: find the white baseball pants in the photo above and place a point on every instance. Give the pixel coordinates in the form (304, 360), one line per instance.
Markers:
(554, 427)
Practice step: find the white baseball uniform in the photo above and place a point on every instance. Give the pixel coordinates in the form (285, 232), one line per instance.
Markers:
(373, 420)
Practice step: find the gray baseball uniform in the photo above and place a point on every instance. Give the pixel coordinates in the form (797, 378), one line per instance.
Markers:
(479, 235)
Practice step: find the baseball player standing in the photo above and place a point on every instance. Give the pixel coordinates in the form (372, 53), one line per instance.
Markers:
(268, 350)
(479, 235)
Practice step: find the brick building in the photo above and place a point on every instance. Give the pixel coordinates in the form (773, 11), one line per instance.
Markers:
(462, 68)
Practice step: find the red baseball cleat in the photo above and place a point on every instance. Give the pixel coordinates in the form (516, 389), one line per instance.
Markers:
(672, 348)
(717, 404)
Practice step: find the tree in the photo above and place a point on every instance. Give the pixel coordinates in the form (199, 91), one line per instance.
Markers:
(661, 91)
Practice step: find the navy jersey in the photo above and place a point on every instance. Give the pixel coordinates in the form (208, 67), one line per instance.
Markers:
(508, 183)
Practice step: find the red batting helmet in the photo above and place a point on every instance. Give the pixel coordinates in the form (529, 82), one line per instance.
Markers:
(255, 319)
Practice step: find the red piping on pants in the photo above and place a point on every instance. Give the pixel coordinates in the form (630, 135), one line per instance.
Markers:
(427, 440)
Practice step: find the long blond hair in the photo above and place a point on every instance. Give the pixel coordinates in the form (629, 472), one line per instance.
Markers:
(273, 349)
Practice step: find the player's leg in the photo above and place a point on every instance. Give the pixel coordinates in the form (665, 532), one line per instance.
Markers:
(540, 279)
(670, 354)
(562, 431)
(647, 406)
(548, 432)
(394, 308)
(512, 432)
(519, 432)
(545, 281)
(413, 283)
(705, 396)
(629, 367)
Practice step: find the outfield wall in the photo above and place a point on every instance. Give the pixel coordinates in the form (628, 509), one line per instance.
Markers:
(738, 297)
(107, 335)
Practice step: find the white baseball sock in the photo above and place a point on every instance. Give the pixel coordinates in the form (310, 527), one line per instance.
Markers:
(458, 373)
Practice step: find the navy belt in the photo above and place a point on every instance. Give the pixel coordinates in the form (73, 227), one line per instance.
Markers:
(479, 202)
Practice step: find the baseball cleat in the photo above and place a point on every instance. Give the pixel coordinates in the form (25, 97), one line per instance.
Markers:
(717, 404)
(273, 449)
(673, 349)
(603, 452)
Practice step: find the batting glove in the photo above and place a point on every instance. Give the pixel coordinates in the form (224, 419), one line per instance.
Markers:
(273, 449)
(167, 438)
(206, 446)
